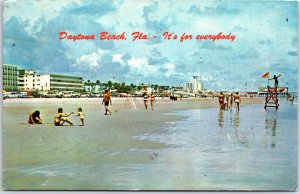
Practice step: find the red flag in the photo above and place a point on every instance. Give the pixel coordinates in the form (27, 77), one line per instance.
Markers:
(266, 75)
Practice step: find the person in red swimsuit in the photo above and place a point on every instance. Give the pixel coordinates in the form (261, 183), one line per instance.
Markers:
(106, 100)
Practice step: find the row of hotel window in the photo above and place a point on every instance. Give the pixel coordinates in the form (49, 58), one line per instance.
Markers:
(62, 81)
(10, 83)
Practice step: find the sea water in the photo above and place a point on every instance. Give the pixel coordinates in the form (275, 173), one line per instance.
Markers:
(212, 149)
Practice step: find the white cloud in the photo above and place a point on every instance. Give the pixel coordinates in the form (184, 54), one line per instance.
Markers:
(119, 58)
(33, 10)
(122, 17)
(137, 62)
(92, 60)
(142, 66)
(170, 69)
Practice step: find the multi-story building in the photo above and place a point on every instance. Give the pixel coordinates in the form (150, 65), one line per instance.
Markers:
(58, 82)
(193, 87)
(15, 79)
(188, 87)
(45, 83)
(29, 80)
(10, 77)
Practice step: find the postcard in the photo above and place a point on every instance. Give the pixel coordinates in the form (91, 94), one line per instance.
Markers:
(150, 95)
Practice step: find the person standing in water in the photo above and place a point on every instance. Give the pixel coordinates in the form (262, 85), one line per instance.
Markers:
(146, 100)
(227, 101)
(106, 100)
(230, 101)
(292, 99)
(60, 118)
(237, 100)
(221, 100)
(152, 100)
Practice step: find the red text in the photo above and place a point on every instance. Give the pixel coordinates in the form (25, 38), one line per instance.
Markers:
(63, 35)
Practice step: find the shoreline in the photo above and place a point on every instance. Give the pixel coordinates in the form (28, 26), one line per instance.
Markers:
(127, 106)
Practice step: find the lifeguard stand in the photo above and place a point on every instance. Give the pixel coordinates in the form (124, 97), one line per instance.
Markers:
(272, 97)
(272, 93)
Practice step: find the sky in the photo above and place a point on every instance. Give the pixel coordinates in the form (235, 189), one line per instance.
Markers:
(265, 32)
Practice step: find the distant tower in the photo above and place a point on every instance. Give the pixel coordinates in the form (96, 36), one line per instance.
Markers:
(195, 85)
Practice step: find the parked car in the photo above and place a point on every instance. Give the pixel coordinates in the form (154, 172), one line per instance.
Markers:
(70, 94)
(23, 95)
(98, 95)
(84, 95)
(4, 96)
(91, 95)
(95, 95)
(53, 95)
(15, 95)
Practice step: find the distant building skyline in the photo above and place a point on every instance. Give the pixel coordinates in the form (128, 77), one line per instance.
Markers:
(15, 79)
(195, 86)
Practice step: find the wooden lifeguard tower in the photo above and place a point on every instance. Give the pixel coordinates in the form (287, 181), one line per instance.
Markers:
(271, 98)
(272, 93)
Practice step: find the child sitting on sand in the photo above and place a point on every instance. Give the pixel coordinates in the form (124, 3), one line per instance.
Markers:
(60, 118)
(34, 118)
(81, 116)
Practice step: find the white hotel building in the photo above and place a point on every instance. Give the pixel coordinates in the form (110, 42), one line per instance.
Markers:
(29, 80)
(58, 82)
(193, 87)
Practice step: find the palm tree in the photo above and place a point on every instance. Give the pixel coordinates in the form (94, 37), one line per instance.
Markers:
(98, 83)
(93, 86)
(88, 83)
(116, 85)
(132, 87)
(109, 84)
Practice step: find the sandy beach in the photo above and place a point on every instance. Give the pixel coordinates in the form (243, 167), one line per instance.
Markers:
(122, 151)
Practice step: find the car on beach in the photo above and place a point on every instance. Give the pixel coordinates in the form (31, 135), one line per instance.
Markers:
(123, 95)
(15, 94)
(91, 95)
(98, 95)
(95, 95)
(70, 94)
(24, 95)
(52, 95)
(4, 96)
(84, 95)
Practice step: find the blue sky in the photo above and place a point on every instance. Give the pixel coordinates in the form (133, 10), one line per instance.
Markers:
(266, 40)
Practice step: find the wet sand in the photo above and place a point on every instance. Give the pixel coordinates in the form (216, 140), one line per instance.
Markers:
(109, 153)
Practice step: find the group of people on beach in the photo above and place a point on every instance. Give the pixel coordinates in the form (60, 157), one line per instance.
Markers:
(61, 118)
(226, 101)
(152, 100)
